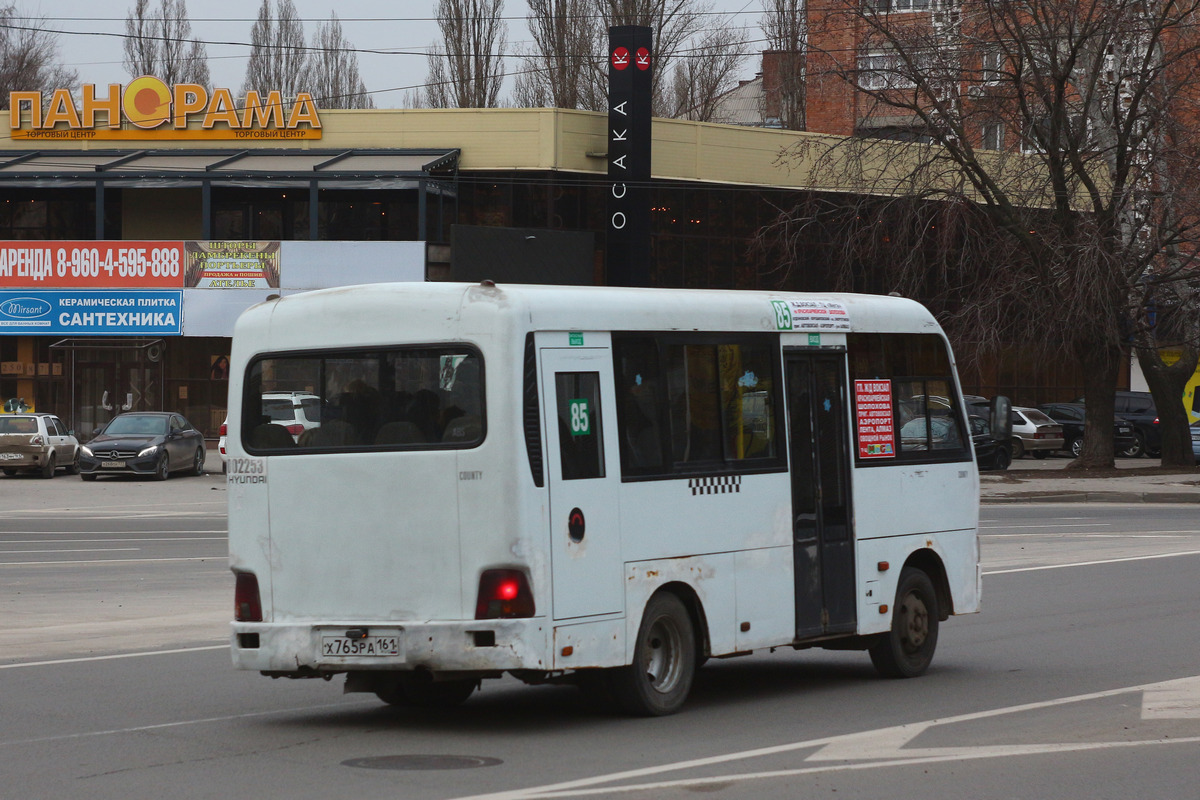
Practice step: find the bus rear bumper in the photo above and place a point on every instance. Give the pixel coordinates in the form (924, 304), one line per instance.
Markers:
(326, 648)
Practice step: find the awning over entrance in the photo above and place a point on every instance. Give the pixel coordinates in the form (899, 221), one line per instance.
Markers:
(431, 172)
(214, 167)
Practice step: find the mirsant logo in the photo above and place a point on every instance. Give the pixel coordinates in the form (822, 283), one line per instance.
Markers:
(24, 308)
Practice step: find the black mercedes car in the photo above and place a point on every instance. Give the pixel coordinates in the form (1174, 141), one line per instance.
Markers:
(143, 443)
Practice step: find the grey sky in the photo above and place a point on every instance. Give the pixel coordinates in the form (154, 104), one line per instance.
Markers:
(403, 28)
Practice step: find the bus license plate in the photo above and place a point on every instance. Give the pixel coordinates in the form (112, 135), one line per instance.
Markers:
(341, 646)
(112, 464)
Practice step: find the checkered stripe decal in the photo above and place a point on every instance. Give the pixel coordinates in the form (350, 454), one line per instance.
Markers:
(723, 485)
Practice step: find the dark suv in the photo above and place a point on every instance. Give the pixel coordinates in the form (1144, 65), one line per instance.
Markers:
(1138, 409)
(1070, 416)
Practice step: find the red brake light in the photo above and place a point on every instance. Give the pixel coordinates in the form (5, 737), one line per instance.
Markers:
(503, 594)
(295, 429)
(247, 604)
(224, 429)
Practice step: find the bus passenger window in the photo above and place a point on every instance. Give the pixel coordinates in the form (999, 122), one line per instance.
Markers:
(580, 434)
(638, 405)
(693, 397)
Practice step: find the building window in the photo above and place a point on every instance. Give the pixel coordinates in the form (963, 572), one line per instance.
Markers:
(886, 6)
(993, 136)
(877, 71)
(993, 67)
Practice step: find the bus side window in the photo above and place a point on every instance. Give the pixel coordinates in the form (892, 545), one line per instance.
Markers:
(580, 442)
(638, 405)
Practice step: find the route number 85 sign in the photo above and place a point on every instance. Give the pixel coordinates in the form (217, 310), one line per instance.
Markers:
(581, 424)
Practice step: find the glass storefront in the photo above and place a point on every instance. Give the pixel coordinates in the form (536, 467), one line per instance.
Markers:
(86, 381)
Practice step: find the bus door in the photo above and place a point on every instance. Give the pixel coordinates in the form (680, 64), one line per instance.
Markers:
(583, 467)
(823, 542)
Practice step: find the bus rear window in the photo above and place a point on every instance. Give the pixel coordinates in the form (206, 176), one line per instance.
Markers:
(399, 398)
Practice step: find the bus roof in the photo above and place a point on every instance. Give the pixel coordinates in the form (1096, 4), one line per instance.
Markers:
(441, 311)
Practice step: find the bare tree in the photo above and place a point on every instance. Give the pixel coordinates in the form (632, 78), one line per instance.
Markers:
(465, 70)
(784, 24)
(565, 56)
(29, 56)
(706, 72)
(1051, 196)
(279, 58)
(673, 24)
(335, 80)
(160, 43)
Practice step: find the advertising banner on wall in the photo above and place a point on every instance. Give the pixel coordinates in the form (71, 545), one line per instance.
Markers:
(232, 265)
(91, 264)
(108, 313)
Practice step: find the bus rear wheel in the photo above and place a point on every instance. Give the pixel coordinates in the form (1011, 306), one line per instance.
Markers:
(419, 690)
(664, 661)
(907, 650)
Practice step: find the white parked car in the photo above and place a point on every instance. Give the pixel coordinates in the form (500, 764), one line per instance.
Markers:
(296, 411)
(37, 443)
(1034, 433)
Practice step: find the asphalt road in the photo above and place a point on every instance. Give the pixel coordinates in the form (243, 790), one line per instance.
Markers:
(1078, 680)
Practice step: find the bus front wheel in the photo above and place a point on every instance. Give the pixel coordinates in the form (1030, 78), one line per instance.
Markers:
(664, 661)
(907, 650)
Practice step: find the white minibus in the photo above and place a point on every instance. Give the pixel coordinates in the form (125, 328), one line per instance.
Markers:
(605, 486)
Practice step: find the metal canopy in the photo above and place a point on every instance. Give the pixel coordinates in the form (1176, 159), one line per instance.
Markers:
(159, 168)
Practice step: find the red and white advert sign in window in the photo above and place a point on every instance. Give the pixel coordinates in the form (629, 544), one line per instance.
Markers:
(873, 415)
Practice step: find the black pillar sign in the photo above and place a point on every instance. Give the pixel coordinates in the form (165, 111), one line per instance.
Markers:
(629, 95)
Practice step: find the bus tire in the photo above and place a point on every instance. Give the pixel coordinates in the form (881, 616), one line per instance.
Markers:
(419, 690)
(664, 661)
(907, 650)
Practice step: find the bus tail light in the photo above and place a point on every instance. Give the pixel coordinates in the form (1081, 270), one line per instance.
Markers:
(295, 429)
(503, 594)
(247, 603)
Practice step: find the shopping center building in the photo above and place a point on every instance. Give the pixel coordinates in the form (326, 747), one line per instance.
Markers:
(128, 249)
(137, 222)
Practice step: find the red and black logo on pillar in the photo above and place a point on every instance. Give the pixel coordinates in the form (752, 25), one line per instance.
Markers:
(629, 95)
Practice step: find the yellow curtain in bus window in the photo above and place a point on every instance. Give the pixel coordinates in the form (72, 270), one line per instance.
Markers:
(873, 417)
(231, 265)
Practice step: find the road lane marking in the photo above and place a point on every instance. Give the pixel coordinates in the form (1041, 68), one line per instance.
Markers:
(1051, 537)
(110, 561)
(177, 724)
(858, 751)
(106, 539)
(1057, 525)
(725, 780)
(122, 539)
(114, 656)
(74, 550)
(1173, 700)
(1090, 563)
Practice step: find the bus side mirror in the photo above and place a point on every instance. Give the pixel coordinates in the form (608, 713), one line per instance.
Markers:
(1001, 408)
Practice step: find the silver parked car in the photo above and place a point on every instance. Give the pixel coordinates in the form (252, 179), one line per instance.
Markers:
(37, 443)
(1034, 433)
